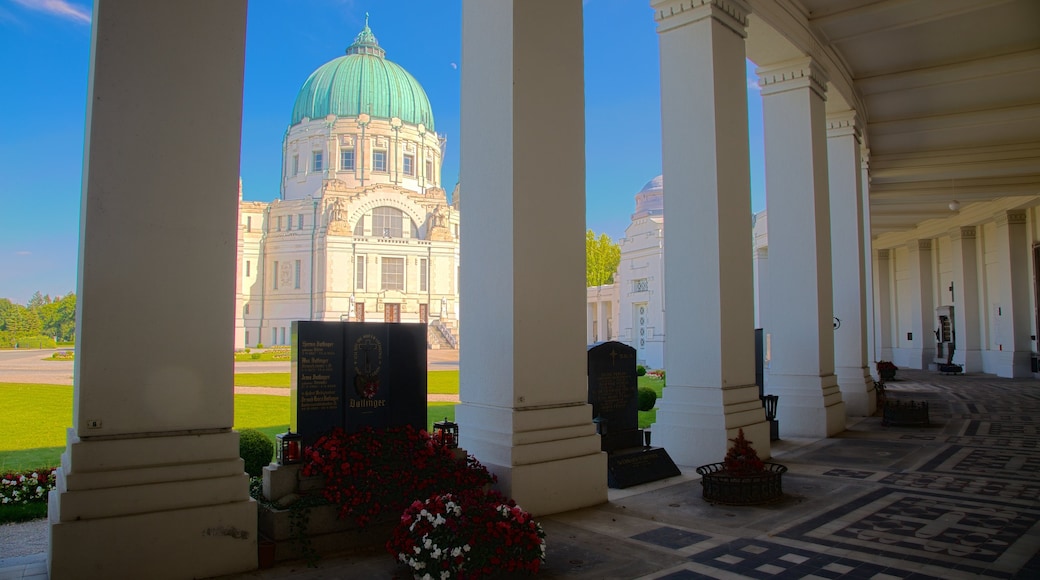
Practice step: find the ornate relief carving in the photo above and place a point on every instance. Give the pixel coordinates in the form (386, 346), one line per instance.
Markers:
(795, 73)
(347, 140)
(963, 233)
(735, 10)
(922, 245)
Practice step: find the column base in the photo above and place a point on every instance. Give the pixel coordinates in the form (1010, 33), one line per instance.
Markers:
(970, 359)
(694, 424)
(548, 459)
(152, 507)
(809, 406)
(1014, 364)
(857, 391)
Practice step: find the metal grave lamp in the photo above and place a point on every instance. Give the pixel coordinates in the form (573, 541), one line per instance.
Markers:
(447, 432)
(289, 448)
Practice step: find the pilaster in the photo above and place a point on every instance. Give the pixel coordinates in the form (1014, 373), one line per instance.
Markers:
(1012, 313)
(800, 302)
(883, 292)
(150, 484)
(921, 349)
(848, 264)
(966, 327)
(710, 350)
(523, 385)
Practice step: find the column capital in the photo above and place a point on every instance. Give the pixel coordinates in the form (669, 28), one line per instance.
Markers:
(1011, 217)
(883, 254)
(671, 14)
(924, 245)
(793, 74)
(844, 123)
(963, 233)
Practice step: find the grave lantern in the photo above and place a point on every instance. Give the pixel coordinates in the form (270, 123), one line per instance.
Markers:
(289, 448)
(447, 432)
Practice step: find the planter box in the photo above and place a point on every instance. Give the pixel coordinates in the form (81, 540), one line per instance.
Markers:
(721, 487)
(905, 414)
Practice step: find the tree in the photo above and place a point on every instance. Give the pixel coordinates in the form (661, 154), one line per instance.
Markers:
(602, 257)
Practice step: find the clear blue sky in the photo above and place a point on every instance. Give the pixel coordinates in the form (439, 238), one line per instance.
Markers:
(44, 54)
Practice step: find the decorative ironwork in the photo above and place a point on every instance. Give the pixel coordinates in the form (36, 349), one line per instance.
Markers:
(721, 487)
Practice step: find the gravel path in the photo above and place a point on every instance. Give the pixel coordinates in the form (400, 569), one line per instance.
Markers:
(23, 539)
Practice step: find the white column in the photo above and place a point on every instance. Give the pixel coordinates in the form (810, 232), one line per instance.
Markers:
(151, 485)
(873, 346)
(968, 331)
(761, 286)
(602, 326)
(922, 305)
(848, 264)
(590, 327)
(523, 379)
(883, 291)
(709, 288)
(801, 369)
(1013, 341)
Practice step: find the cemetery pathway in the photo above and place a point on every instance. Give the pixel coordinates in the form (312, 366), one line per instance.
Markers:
(957, 499)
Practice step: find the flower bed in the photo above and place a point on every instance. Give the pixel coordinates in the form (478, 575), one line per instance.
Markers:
(469, 535)
(370, 472)
(26, 487)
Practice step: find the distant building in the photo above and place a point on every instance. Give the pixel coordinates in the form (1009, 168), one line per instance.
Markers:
(634, 304)
(362, 229)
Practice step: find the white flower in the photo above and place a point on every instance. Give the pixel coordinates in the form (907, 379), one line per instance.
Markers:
(427, 576)
(465, 547)
(455, 552)
(439, 520)
(445, 575)
(427, 543)
(417, 549)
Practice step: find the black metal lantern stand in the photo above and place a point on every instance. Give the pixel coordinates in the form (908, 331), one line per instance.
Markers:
(447, 432)
(289, 448)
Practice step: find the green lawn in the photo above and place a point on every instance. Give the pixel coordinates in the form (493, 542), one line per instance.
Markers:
(437, 382)
(647, 418)
(32, 433)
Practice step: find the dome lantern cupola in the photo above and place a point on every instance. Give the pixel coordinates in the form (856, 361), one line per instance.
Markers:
(365, 42)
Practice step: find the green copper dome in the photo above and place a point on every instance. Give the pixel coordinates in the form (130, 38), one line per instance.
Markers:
(363, 81)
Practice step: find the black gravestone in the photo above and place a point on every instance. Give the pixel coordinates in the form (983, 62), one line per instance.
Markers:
(613, 394)
(352, 375)
(316, 373)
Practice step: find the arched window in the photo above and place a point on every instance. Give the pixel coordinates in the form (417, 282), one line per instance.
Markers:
(359, 229)
(388, 222)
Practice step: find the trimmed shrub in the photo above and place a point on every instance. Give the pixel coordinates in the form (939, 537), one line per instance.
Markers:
(640, 370)
(256, 450)
(647, 398)
(255, 356)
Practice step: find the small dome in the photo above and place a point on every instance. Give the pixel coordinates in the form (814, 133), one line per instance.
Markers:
(650, 199)
(363, 81)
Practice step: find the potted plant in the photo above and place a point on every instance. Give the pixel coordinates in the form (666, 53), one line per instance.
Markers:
(741, 478)
(886, 369)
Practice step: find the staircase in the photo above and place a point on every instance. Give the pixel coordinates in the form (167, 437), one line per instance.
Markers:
(442, 334)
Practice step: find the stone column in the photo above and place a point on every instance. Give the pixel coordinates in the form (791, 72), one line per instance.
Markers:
(590, 327)
(968, 332)
(883, 291)
(602, 326)
(801, 369)
(523, 385)
(1012, 338)
(848, 264)
(151, 484)
(761, 285)
(709, 288)
(873, 346)
(922, 305)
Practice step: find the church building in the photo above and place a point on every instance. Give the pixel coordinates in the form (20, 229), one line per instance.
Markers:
(362, 228)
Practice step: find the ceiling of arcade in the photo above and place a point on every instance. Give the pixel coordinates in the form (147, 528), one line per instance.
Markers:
(949, 92)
